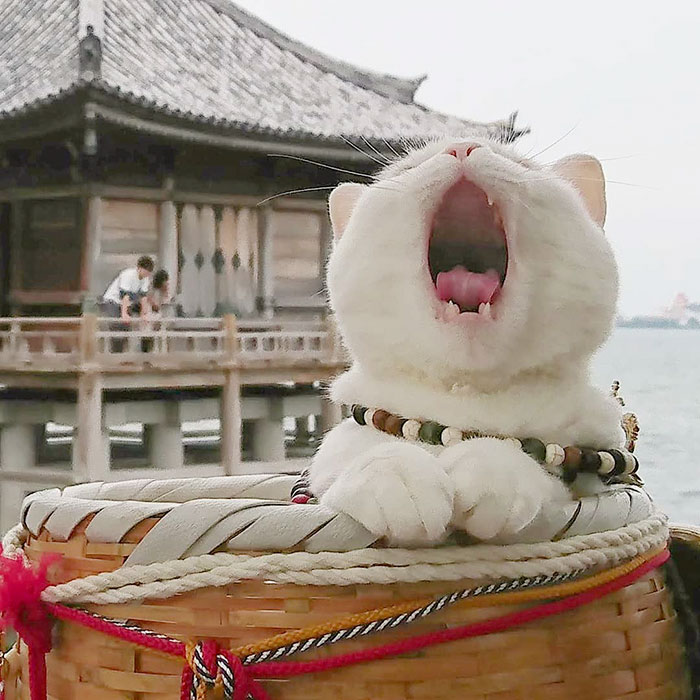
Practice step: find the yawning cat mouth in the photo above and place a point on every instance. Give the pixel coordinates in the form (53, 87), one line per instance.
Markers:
(467, 251)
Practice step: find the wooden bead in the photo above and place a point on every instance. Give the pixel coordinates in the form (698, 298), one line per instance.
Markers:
(620, 462)
(572, 457)
(451, 436)
(410, 429)
(379, 418)
(358, 413)
(631, 462)
(431, 432)
(393, 425)
(590, 461)
(554, 455)
(607, 463)
(568, 473)
(535, 448)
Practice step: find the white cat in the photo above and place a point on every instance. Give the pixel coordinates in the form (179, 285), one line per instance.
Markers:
(471, 288)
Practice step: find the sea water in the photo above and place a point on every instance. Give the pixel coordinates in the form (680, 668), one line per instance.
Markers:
(659, 373)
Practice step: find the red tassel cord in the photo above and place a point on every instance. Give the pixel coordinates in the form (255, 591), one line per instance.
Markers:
(22, 609)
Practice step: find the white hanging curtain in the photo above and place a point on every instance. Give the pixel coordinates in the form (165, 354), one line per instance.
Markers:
(205, 263)
(225, 288)
(189, 248)
(243, 261)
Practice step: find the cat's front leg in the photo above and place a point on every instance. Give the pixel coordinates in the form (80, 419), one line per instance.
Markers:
(397, 491)
(499, 489)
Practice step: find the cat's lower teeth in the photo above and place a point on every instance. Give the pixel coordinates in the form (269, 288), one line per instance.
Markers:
(485, 309)
(452, 310)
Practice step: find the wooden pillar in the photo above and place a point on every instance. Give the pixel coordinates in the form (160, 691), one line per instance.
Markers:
(91, 439)
(17, 224)
(17, 447)
(167, 241)
(331, 414)
(164, 440)
(92, 243)
(266, 271)
(231, 414)
(268, 433)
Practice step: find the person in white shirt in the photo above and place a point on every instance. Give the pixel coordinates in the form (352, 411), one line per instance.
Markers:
(127, 289)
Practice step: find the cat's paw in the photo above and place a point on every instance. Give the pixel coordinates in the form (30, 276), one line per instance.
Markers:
(499, 490)
(397, 491)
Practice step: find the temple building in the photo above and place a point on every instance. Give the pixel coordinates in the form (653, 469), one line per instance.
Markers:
(132, 127)
(177, 129)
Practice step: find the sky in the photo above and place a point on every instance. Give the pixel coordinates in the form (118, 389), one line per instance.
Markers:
(616, 78)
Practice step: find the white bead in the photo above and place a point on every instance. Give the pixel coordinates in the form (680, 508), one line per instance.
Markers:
(515, 442)
(630, 462)
(554, 455)
(607, 463)
(451, 436)
(369, 414)
(410, 429)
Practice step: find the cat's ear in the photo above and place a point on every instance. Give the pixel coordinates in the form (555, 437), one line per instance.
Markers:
(341, 203)
(585, 173)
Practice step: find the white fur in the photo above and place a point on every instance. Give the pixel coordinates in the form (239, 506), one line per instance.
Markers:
(525, 374)
(498, 488)
(396, 490)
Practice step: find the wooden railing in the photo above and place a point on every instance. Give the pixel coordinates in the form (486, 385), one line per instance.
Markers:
(47, 342)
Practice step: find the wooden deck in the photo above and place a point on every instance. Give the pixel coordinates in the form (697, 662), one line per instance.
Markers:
(173, 352)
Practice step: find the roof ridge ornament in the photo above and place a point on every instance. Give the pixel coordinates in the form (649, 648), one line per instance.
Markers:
(90, 55)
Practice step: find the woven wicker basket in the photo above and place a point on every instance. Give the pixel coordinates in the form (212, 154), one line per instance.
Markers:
(626, 645)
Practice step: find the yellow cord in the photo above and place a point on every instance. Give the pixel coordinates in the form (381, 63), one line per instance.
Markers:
(508, 598)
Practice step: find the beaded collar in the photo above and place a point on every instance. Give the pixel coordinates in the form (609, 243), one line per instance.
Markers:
(565, 462)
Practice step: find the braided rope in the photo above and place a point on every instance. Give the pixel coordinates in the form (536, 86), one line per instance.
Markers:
(357, 625)
(385, 566)
(14, 539)
(507, 592)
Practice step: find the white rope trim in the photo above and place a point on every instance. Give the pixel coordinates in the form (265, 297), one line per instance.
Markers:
(384, 566)
(14, 539)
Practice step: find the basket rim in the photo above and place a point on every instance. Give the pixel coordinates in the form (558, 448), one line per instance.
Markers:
(252, 513)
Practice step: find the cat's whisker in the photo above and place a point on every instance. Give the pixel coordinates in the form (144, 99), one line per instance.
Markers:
(384, 159)
(391, 148)
(322, 165)
(552, 145)
(601, 160)
(593, 179)
(291, 192)
(364, 153)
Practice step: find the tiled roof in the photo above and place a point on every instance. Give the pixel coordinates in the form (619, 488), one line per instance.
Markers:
(209, 61)
(38, 50)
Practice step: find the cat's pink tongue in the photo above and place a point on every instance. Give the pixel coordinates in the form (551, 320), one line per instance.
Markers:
(465, 288)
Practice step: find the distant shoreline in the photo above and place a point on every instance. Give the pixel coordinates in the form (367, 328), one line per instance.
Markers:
(656, 323)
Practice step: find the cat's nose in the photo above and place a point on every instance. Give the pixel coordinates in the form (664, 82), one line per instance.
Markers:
(461, 152)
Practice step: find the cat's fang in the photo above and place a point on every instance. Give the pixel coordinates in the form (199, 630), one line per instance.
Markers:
(451, 310)
(485, 309)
